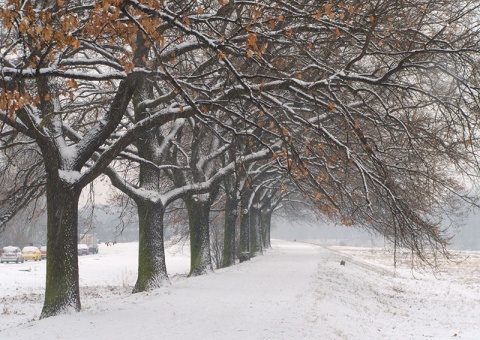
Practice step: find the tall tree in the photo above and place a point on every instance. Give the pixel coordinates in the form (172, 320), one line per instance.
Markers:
(49, 43)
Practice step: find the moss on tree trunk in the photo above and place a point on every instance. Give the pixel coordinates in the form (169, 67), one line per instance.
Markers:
(199, 227)
(256, 243)
(62, 287)
(152, 269)
(230, 231)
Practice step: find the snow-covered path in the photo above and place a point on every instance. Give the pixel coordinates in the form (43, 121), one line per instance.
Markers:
(262, 299)
(294, 291)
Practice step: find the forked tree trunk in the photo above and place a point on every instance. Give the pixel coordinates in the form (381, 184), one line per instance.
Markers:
(62, 288)
(199, 227)
(152, 269)
(230, 231)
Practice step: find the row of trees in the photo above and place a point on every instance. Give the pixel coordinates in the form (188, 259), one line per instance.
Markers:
(365, 110)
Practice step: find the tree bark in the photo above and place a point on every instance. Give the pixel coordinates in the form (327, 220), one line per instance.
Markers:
(244, 246)
(62, 287)
(266, 216)
(199, 223)
(152, 269)
(256, 243)
(230, 231)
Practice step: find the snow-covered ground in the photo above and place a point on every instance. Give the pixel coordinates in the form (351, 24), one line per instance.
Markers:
(295, 290)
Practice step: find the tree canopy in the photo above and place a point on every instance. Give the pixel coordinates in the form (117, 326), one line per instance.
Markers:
(366, 110)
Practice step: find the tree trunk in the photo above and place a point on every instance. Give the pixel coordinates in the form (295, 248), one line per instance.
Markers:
(230, 231)
(62, 288)
(256, 243)
(152, 269)
(266, 216)
(199, 223)
(244, 246)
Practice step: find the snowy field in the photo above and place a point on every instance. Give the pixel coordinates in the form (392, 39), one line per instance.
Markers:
(294, 291)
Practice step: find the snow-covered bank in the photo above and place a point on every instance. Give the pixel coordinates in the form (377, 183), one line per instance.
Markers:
(294, 291)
